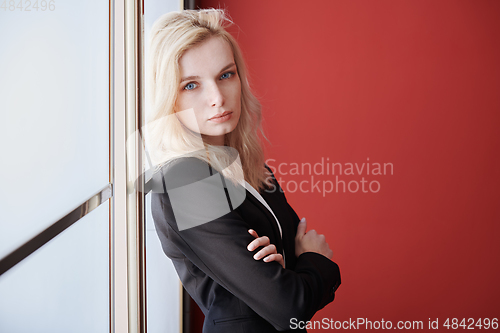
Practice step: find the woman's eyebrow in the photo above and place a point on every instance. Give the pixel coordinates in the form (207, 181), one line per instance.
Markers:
(227, 67)
(195, 77)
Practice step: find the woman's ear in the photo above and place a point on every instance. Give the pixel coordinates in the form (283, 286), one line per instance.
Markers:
(175, 108)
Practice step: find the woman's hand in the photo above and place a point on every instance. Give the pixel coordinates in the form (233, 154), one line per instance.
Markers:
(310, 241)
(269, 252)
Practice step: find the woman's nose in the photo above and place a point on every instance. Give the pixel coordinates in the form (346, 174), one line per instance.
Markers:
(216, 98)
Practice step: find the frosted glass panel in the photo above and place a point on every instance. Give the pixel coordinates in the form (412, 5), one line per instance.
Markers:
(55, 115)
(164, 290)
(163, 285)
(153, 9)
(64, 286)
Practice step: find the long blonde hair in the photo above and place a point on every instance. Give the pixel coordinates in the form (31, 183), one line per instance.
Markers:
(172, 35)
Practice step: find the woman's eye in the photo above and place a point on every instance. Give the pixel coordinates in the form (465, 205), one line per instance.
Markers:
(227, 75)
(190, 86)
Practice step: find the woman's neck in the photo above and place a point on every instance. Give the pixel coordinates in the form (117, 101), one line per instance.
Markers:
(214, 140)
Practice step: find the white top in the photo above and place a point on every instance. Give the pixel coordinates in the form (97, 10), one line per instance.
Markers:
(256, 194)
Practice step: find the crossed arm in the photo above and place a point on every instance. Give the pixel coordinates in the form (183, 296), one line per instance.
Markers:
(304, 242)
(220, 249)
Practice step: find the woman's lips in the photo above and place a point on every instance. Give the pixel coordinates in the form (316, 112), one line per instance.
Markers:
(222, 118)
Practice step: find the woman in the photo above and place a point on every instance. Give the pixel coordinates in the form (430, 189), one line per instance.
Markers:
(237, 245)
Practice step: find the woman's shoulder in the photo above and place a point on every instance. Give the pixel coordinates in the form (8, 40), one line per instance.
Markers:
(186, 168)
(178, 172)
(269, 169)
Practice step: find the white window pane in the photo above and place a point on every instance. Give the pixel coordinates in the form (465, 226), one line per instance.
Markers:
(54, 105)
(64, 286)
(164, 290)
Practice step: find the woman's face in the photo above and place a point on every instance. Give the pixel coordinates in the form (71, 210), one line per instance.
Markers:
(211, 87)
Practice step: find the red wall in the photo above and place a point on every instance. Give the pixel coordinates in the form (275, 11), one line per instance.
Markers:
(415, 83)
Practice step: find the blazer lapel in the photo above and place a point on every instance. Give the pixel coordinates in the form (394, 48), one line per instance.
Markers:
(270, 218)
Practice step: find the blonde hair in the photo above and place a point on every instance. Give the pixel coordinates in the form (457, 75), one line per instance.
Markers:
(172, 35)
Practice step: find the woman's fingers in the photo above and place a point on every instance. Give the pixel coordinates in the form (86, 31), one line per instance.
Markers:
(261, 241)
(273, 257)
(269, 249)
(253, 233)
(301, 228)
(269, 252)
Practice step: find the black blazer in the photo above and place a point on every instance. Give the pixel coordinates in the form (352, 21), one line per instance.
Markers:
(236, 292)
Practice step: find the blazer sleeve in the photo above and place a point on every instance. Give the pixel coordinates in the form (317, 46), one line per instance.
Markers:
(219, 249)
(326, 300)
